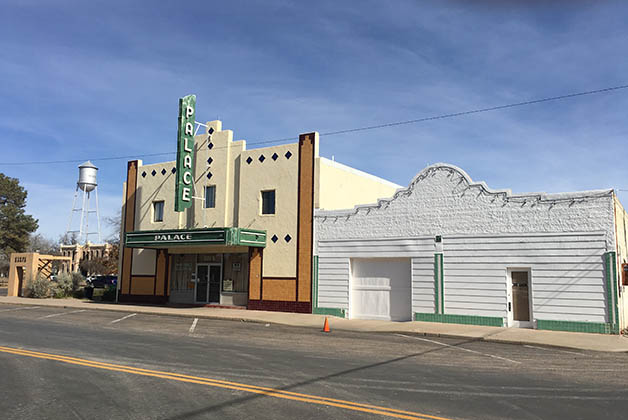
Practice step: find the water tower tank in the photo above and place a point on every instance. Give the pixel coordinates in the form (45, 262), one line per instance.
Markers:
(87, 176)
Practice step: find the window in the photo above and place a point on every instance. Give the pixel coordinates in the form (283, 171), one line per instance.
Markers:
(210, 196)
(158, 211)
(268, 202)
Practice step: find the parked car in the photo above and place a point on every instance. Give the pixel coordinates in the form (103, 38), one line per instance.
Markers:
(102, 281)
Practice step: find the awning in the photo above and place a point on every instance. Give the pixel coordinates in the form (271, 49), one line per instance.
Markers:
(195, 237)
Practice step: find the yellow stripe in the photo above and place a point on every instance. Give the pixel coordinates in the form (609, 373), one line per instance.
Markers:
(313, 399)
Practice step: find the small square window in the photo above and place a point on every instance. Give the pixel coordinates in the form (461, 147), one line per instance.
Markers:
(158, 211)
(210, 196)
(268, 202)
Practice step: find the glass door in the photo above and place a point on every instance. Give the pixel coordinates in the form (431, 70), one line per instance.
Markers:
(215, 277)
(202, 283)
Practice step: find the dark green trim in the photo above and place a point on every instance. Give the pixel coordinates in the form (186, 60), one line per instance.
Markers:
(442, 285)
(610, 261)
(439, 284)
(195, 237)
(460, 319)
(574, 326)
(314, 281)
(329, 311)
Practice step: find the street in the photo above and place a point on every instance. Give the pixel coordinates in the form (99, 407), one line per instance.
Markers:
(65, 363)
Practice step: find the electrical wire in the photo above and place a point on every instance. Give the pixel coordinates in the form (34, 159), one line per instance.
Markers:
(349, 130)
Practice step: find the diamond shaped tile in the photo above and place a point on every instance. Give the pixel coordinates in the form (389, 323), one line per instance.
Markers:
(274, 239)
(262, 158)
(209, 175)
(211, 130)
(288, 155)
(210, 145)
(275, 156)
(174, 170)
(249, 160)
(287, 238)
(154, 172)
(144, 174)
(209, 160)
(163, 171)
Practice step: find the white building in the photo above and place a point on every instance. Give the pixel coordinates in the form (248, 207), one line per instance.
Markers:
(447, 249)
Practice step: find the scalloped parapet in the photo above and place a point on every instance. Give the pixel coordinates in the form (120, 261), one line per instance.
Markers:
(443, 199)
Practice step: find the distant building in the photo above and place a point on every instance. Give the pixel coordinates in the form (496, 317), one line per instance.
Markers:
(447, 249)
(79, 252)
(247, 239)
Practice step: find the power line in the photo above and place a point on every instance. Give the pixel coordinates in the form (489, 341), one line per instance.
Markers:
(350, 130)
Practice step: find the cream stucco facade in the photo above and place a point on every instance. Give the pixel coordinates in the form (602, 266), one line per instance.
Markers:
(239, 177)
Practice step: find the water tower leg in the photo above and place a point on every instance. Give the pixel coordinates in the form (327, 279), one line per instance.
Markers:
(67, 232)
(87, 219)
(98, 216)
(82, 216)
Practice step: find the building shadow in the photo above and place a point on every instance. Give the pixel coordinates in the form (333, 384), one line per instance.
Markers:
(240, 400)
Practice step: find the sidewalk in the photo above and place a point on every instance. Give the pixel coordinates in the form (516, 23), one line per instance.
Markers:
(582, 341)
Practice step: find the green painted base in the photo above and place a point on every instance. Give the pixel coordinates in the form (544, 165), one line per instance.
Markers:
(460, 319)
(329, 311)
(573, 326)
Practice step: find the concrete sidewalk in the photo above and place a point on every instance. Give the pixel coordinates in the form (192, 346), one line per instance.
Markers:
(582, 341)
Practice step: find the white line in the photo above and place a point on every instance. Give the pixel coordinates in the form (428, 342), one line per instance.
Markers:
(548, 349)
(123, 318)
(193, 325)
(459, 348)
(17, 309)
(61, 313)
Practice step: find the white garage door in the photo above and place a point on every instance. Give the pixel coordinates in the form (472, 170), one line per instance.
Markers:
(381, 288)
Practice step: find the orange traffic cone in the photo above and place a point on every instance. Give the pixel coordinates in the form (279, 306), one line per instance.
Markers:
(326, 326)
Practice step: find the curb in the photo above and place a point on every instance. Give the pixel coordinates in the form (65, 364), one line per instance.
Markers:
(486, 338)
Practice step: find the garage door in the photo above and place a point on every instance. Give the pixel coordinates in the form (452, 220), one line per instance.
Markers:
(381, 288)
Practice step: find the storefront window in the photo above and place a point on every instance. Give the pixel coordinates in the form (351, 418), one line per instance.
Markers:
(235, 273)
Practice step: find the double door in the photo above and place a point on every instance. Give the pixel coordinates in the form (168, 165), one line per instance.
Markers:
(208, 282)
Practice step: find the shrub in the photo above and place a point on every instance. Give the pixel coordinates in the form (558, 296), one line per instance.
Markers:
(63, 287)
(38, 288)
(110, 294)
(78, 281)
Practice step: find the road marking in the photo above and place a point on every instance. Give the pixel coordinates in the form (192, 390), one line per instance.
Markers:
(122, 319)
(559, 350)
(61, 313)
(193, 325)
(19, 308)
(459, 348)
(270, 392)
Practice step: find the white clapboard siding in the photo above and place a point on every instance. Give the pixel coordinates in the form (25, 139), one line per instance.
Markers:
(567, 281)
(334, 262)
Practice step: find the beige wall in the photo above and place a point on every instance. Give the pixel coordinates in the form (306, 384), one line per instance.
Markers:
(621, 236)
(342, 187)
(280, 175)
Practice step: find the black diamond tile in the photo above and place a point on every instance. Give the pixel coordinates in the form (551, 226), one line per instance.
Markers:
(174, 170)
(209, 160)
(275, 156)
(210, 145)
(163, 171)
(211, 130)
(144, 174)
(262, 158)
(154, 172)
(288, 155)
(287, 238)
(274, 239)
(209, 175)
(249, 160)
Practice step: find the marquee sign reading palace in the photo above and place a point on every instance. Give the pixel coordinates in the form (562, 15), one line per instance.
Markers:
(184, 187)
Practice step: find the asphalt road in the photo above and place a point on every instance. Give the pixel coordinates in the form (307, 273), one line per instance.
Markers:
(62, 363)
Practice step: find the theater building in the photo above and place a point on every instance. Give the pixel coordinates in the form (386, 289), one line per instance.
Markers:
(247, 238)
(448, 249)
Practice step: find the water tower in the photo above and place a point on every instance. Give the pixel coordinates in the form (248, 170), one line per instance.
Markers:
(87, 183)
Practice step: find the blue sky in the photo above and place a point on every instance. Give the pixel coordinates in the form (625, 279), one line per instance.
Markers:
(82, 80)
